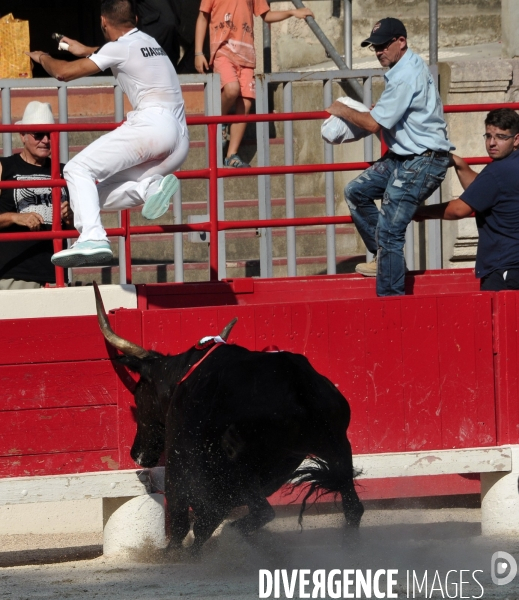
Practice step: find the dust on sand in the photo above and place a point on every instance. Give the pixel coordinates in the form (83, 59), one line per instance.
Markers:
(407, 540)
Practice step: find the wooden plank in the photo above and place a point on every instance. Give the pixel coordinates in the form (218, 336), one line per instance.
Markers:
(434, 462)
(52, 385)
(51, 340)
(113, 484)
(273, 327)
(58, 430)
(347, 343)
(485, 403)
(301, 289)
(420, 381)
(244, 332)
(385, 487)
(127, 324)
(160, 329)
(63, 462)
(506, 348)
(385, 374)
(310, 333)
(458, 320)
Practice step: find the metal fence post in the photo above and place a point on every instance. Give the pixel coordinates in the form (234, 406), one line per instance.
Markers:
(433, 228)
(329, 193)
(290, 202)
(264, 208)
(7, 138)
(348, 35)
(63, 118)
(118, 118)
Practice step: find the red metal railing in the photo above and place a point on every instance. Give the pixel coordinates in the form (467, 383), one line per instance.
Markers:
(212, 173)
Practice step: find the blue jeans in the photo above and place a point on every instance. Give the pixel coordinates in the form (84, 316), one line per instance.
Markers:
(402, 184)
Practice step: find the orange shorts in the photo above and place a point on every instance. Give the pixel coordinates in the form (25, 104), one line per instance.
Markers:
(229, 72)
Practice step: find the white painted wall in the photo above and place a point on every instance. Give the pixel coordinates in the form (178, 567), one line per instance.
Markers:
(63, 302)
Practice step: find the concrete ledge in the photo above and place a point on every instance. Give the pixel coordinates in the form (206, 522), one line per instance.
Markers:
(434, 462)
(110, 484)
(63, 302)
(498, 467)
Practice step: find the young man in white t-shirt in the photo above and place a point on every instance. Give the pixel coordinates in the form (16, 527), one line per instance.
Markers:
(132, 165)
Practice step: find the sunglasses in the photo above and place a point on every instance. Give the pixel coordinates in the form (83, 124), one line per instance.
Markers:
(381, 47)
(500, 137)
(40, 135)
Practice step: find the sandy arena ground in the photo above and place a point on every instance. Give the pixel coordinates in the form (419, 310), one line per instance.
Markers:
(411, 539)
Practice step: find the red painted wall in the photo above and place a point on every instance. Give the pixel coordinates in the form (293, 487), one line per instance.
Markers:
(425, 371)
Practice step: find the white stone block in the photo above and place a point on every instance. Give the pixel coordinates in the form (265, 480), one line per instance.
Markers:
(137, 524)
(500, 500)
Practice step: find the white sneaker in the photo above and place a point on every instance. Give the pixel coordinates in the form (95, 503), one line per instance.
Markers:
(157, 203)
(83, 253)
(367, 269)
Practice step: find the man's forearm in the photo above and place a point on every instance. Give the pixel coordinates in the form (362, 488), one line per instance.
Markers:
(364, 120)
(448, 211)
(62, 69)
(465, 174)
(434, 211)
(6, 219)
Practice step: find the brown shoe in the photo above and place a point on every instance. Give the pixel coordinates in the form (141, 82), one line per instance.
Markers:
(367, 269)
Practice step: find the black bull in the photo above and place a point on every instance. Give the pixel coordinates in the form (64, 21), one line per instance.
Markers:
(235, 430)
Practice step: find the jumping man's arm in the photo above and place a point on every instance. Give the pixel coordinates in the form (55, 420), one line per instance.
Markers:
(63, 70)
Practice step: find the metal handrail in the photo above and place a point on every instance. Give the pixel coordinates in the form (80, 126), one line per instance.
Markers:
(213, 173)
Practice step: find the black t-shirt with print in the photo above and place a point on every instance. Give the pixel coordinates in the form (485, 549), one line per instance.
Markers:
(27, 260)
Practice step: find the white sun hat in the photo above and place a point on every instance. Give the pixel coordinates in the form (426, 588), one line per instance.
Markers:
(37, 113)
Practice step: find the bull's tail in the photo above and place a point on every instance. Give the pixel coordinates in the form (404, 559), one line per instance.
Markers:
(320, 479)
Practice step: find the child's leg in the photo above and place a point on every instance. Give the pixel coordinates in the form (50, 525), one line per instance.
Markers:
(237, 90)
(243, 106)
(230, 94)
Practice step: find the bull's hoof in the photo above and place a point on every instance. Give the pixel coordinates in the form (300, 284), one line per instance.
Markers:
(249, 524)
(243, 526)
(175, 552)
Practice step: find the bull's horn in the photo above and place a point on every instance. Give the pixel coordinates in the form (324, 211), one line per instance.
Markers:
(227, 329)
(126, 347)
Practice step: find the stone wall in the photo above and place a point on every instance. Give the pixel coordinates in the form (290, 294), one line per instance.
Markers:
(461, 22)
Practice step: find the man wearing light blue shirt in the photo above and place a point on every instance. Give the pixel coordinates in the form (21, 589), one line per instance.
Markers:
(410, 116)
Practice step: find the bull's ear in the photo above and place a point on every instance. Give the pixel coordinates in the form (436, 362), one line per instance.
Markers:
(137, 365)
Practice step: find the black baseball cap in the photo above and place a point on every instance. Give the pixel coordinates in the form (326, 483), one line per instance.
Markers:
(385, 30)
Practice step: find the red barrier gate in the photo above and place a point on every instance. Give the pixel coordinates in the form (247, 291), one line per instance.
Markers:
(420, 372)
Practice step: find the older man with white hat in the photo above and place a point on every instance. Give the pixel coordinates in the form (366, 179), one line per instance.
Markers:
(27, 264)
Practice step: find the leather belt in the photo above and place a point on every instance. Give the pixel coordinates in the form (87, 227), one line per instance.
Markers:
(439, 153)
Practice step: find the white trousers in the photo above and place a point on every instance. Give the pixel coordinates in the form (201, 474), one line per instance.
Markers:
(151, 143)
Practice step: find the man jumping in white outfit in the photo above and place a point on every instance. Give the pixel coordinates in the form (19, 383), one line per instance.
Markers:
(133, 163)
